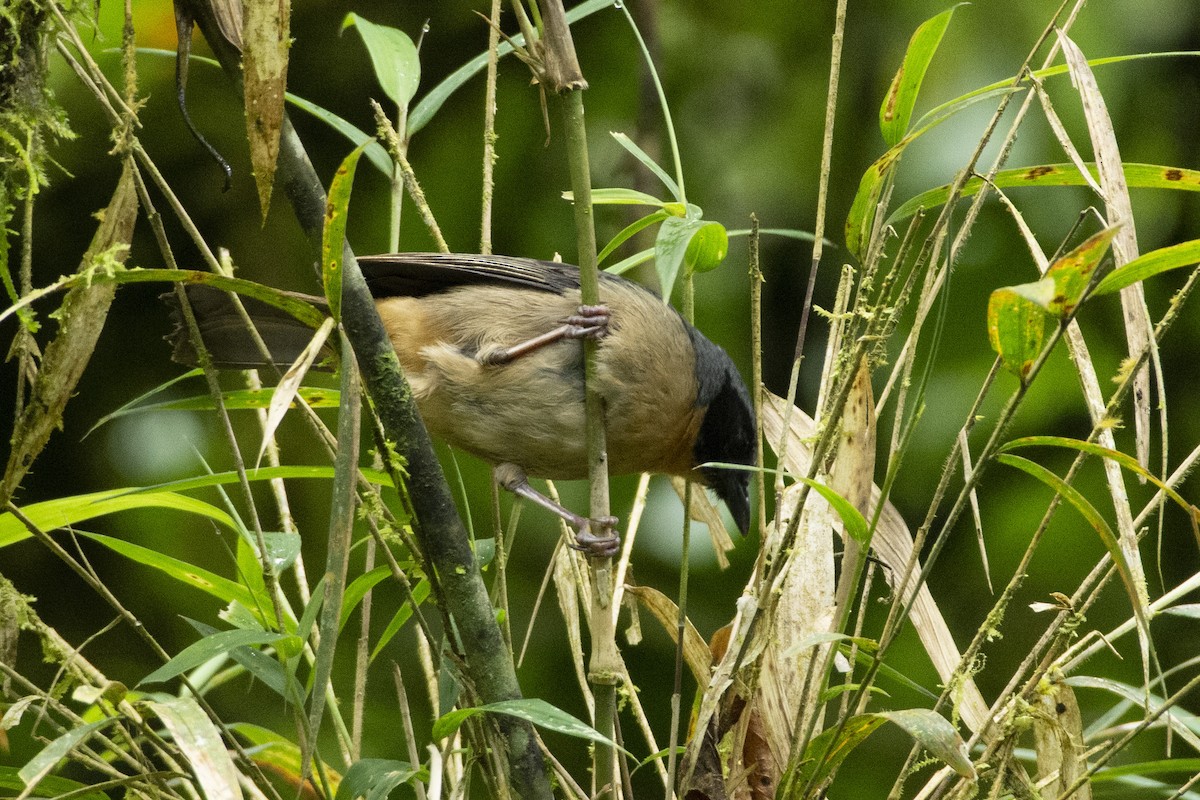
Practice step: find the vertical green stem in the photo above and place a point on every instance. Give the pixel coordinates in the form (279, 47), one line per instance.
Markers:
(604, 670)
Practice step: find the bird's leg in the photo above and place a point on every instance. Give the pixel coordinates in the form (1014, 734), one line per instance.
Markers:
(588, 322)
(594, 537)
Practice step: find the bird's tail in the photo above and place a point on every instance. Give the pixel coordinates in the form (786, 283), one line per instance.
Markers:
(226, 334)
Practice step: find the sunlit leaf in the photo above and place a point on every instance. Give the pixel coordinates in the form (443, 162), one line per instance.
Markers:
(1184, 254)
(897, 108)
(1017, 328)
(707, 248)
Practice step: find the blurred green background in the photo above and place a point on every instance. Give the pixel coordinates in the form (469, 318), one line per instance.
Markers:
(747, 84)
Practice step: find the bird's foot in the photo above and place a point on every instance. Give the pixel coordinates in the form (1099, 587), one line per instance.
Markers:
(603, 542)
(588, 322)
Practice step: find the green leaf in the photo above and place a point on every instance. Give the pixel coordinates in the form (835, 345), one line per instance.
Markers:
(853, 520)
(707, 249)
(1184, 254)
(818, 639)
(626, 264)
(195, 734)
(333, 236)
(374, 152)
(1138, 176)
(236, 400)
(629, 232)
(52, 786)
(217, 644)
(531, 709)
(420, 592)
(40, 765)
(620, 196)
(358, 589)
(1144, 768)
(182, 571)
(931, 730)
(1073, 272)
(897, 108)
(1093, 518)
(671, 246)
(1017, 327)
(649, 163)
(393, 55)
(1124, 460)
(861, 218)
(825, 753)
(436, 97)
(374, 778)
(265, 668)
(67, 511)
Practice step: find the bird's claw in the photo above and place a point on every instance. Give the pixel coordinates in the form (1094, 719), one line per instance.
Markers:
(588, 322)
(604, 543)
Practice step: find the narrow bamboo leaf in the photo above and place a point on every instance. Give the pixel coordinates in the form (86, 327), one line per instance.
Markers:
(1093, 518)
(263, 667)
(897, 108)
(374, 778)
(707, 248)
(40, 765)
(1189, 610)
(1145, 768)
(54, 786)
(67, 511)
(649, 164)
(182, 571)
(140, 401)
(818, 639)
(290, 302)
(420, 594)
(620, 196)
(217, 644)
(1073, 272)
(1016, 328)
(1139, 176)
(431, 102)
(931, 730)
(530, 709)
(825, 754)
(862, 210)
(393, 55)
(261, 474)
(358, 589)
(626, 264)
(1184, 254)
(285, 393)
(196, 735)
(629, 232)
(1126, 461)
(854, 522)
(374, 152)
(235, 400)
(333, 235)
(266, 39)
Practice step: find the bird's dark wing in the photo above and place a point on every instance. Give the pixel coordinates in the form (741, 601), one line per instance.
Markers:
(420, 274)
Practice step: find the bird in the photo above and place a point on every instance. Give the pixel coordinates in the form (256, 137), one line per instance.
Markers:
(492, 347)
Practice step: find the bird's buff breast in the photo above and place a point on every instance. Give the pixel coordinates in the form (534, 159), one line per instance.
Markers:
(530, 412)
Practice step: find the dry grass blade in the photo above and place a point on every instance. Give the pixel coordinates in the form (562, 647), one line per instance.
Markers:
(893, 545)
(289, 384)
(705, 510)
(1120, 212)
(569, 581)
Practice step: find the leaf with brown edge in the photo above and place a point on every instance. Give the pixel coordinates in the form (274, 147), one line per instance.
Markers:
(1017, 326)
(265, 42)
(1073, 272)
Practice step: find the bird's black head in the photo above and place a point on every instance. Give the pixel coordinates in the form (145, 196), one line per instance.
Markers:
(728, 432)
